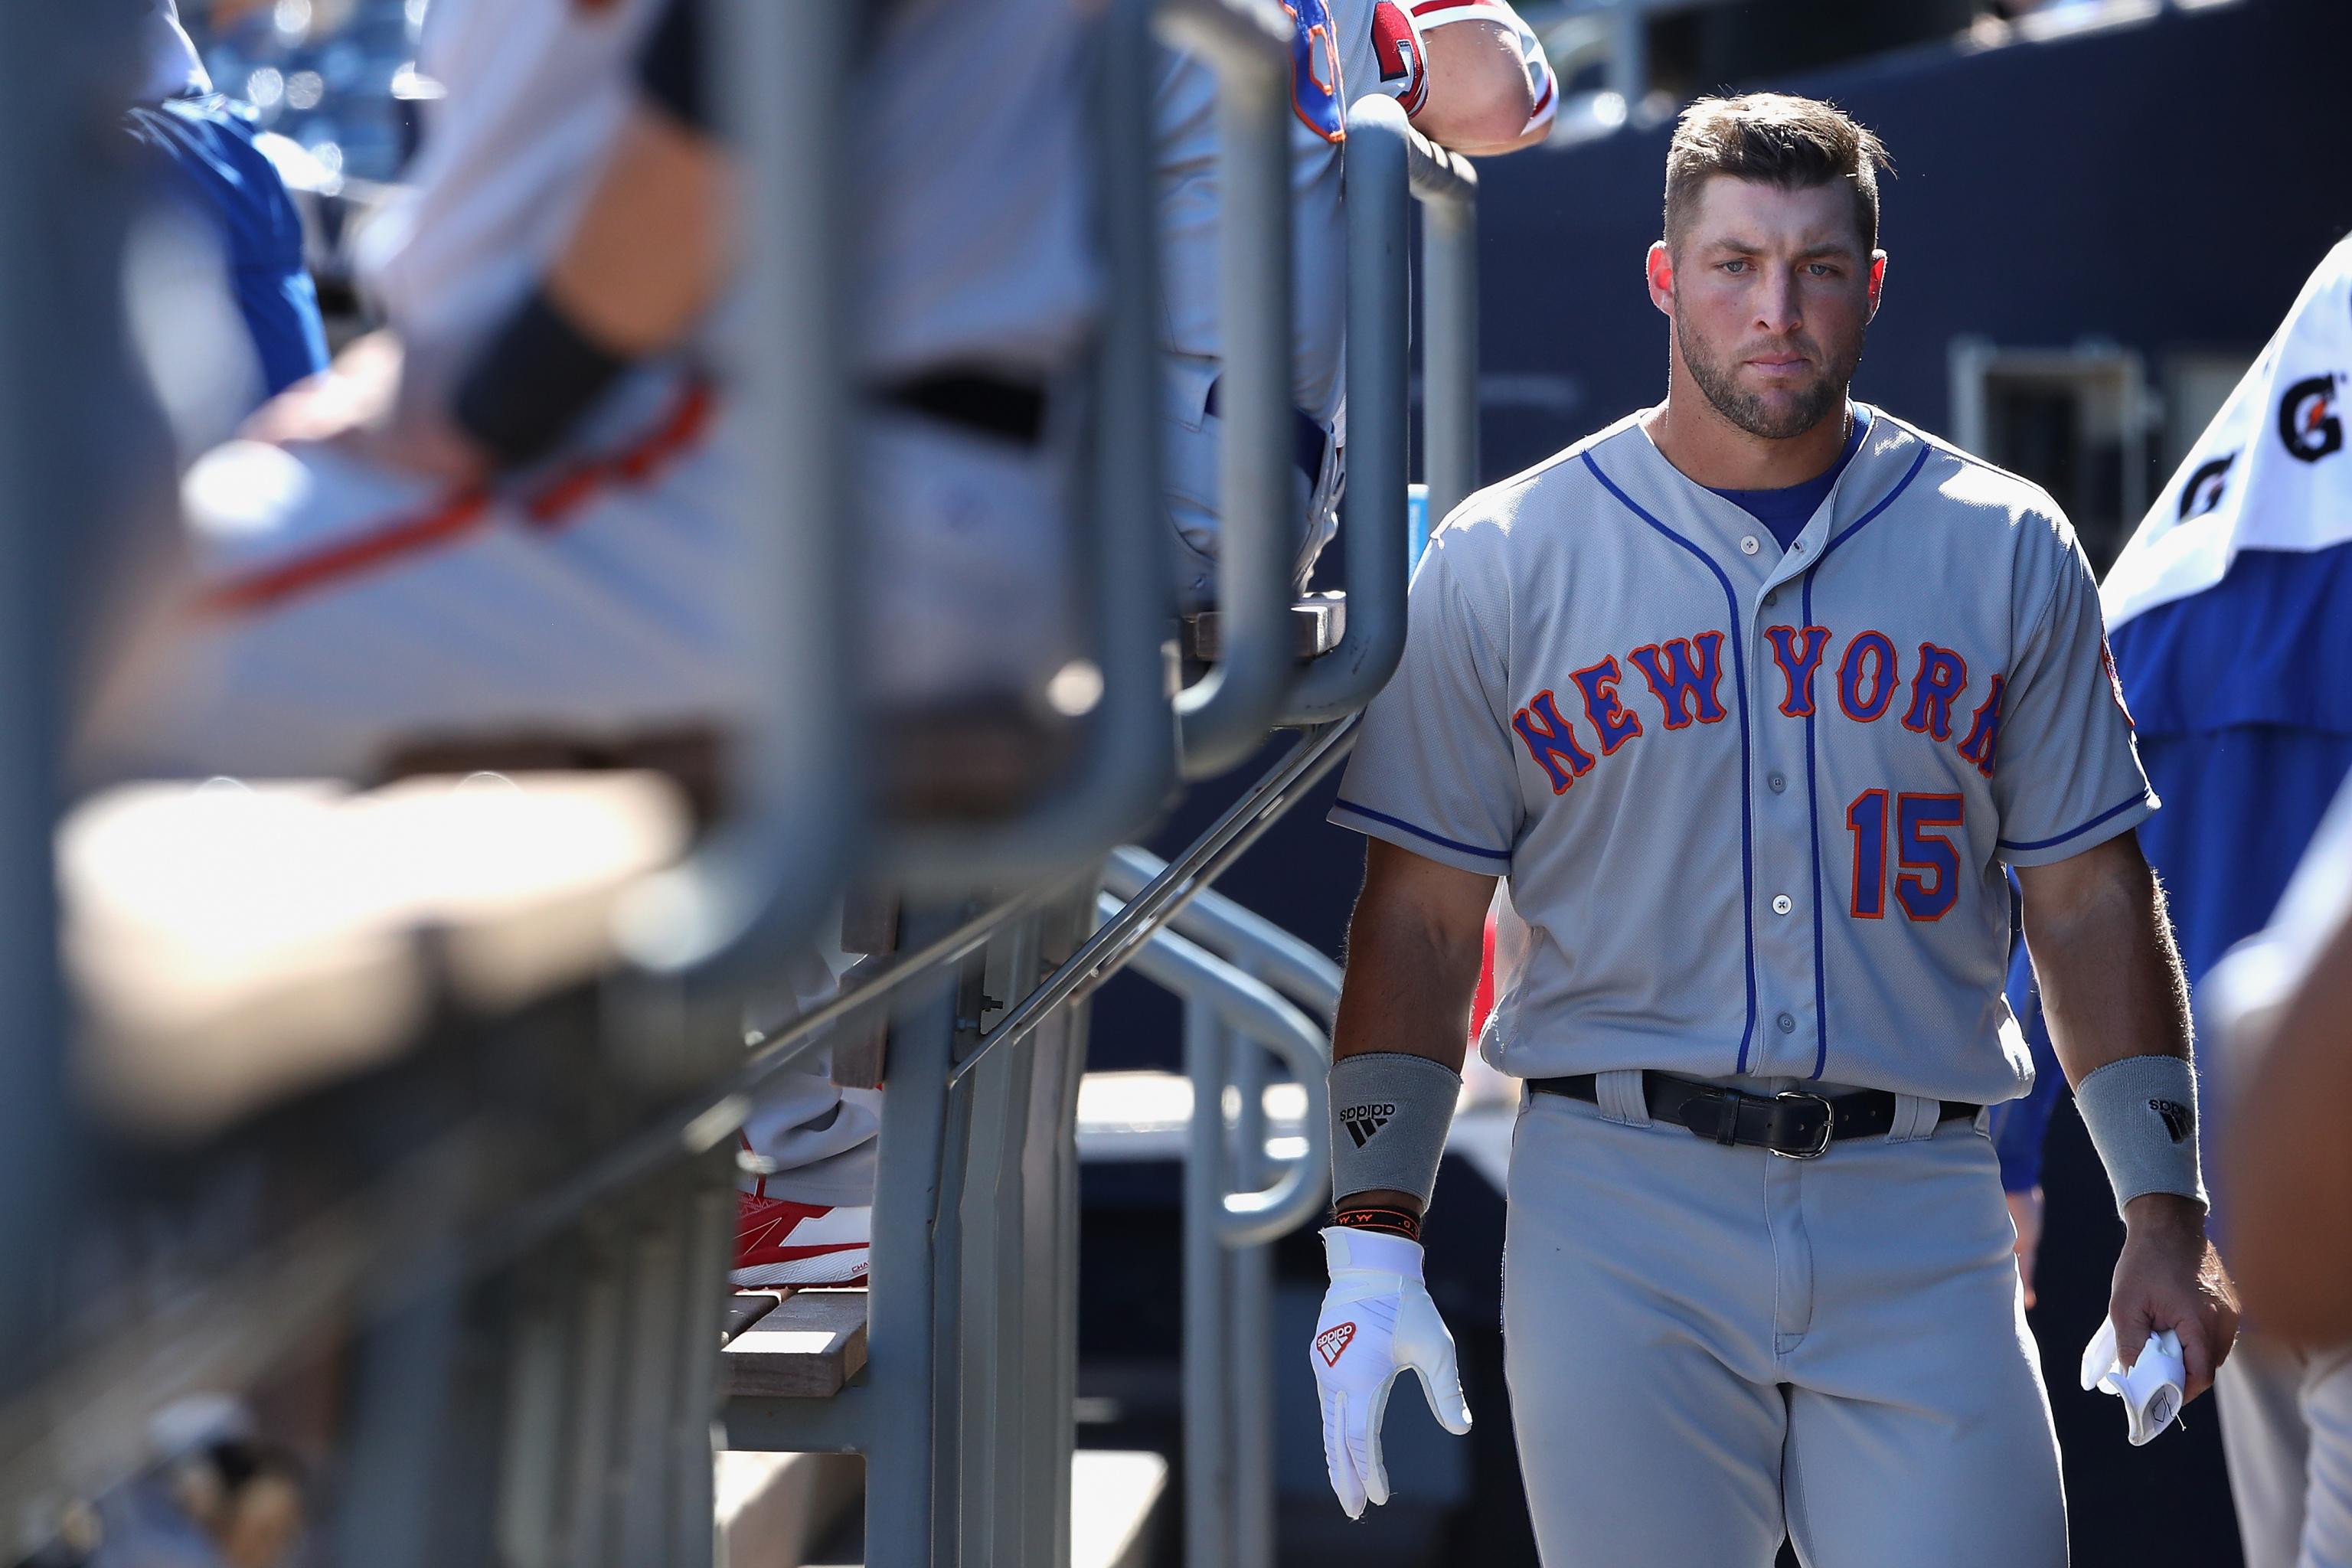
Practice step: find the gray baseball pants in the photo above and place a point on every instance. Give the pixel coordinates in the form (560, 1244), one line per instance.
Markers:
(2287, 1433)
(1707, 1346)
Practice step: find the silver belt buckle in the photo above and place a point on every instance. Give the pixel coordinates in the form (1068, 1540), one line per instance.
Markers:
(1829, 1117)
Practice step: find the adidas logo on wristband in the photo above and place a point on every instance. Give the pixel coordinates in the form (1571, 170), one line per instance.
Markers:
(1362, 1120)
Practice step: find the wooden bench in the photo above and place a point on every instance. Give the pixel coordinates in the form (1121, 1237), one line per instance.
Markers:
(806, 1344)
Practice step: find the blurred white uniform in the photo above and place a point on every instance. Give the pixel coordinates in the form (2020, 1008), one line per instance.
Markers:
(2286, 1412)
(331, 612)
(1343, 50)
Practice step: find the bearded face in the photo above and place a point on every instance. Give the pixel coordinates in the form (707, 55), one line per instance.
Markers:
(1778, 405)
(1772, 296)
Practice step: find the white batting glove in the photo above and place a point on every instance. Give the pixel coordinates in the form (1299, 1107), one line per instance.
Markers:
(1377, 1320)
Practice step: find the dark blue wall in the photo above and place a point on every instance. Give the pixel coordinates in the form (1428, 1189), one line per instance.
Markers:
(2168, 185)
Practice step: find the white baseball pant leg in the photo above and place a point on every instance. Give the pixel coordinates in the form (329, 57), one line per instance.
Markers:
(2286, 1435)
(819, 1137)
(327, 612)
(1707, 1346)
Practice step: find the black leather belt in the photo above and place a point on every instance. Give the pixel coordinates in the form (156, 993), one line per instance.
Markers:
(1307, 438)
(986, 404)
(1796, 1124)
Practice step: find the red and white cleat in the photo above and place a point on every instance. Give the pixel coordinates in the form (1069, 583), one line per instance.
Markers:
(779, 1242)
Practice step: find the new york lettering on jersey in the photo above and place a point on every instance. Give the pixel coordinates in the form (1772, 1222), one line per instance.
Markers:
(1616, 685)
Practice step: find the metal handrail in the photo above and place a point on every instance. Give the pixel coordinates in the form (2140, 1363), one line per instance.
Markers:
(1389, 164)
(1251, 1007)
(1112, 945)
(1224, 716)
(1239, 935)
(1128, 764)
(761, 883)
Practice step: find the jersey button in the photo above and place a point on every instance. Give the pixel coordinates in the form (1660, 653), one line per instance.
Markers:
(1772, 598)
(1782, 904)
(1788, 1024)
(1747, 545)
(1777, 783)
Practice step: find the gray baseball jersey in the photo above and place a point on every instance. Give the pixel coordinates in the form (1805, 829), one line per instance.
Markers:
(1754, 806)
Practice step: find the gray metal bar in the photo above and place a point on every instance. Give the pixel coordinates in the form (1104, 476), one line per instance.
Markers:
(1239, 935)
(761, 884)
(1225, 716)
(1373, 524)
(1128, 763)
(1249, 1401)
(1251, 1007)
(1102, 954)
(1449, 294)
(711, 1210)
(902, 1331)
(1208, 1455)
(1388, 162)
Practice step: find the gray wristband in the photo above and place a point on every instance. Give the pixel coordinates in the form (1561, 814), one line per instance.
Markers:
(1389, 1114)
(2141, 1113)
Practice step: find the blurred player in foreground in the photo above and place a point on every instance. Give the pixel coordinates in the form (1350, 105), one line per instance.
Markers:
(502, 530)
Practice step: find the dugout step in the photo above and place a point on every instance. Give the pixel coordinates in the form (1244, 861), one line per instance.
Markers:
(1317, 623)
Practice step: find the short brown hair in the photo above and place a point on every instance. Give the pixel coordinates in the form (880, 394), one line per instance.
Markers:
(1793, 142)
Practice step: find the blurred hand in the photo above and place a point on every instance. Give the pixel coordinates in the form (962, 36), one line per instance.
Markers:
(373, 404)
(2169, 1276)
(2025, 1213)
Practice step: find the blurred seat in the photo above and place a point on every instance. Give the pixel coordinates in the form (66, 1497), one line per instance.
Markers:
(232, 944)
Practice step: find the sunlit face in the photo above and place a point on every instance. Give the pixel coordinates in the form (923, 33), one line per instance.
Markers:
(1771, 294)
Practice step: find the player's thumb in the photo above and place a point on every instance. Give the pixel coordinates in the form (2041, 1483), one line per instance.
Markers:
(1441, 1381)
(2133, 1324)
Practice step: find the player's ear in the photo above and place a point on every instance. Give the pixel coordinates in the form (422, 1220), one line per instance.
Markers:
(1661, 266)
(1877, 281)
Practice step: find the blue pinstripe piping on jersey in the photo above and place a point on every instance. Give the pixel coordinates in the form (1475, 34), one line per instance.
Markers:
(2076, 832)
(1746, 808)
(1812, 779)
(1422, 832)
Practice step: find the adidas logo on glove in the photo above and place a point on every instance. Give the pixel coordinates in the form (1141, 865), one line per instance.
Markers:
(1331, 1341)
(1362, 1120)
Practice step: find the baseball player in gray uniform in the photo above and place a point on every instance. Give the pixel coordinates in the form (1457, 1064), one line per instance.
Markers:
(1752, 695)
(1468, 73)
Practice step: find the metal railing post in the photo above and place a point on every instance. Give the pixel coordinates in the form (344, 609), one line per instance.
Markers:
(1449, 353)
(1225, 716)
(767, 876)
(1209, 1475)
(1389, 164)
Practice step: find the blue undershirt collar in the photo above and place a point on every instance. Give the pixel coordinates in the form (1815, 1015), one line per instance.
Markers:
(1786, 512)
